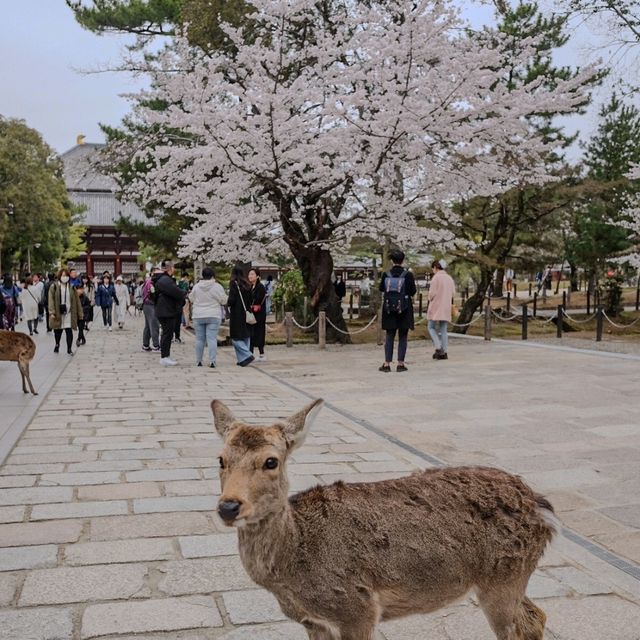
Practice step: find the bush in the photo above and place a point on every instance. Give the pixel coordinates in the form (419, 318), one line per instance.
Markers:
(290, 292)
(613, 294)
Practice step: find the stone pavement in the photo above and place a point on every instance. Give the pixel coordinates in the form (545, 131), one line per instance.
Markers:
(107, 502)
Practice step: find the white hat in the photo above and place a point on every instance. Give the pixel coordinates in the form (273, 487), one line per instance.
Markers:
(119, 278)
(443, 264)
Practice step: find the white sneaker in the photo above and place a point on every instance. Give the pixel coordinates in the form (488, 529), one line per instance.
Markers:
(110, 328)
(168, 362)
(262, 357)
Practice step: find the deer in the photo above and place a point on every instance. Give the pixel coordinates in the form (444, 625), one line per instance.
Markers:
(341, 558)
(20, 348)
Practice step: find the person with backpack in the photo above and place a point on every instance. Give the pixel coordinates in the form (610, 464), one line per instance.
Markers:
(441, 294)
(151, 332)
(398, 287)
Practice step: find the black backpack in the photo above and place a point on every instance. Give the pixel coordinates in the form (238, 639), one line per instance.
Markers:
(396, 300)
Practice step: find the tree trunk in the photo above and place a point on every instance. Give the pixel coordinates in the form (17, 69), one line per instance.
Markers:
(573, 276)
(475, 301)
(316, 265)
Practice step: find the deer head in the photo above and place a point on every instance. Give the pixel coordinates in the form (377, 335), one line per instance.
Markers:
(253, 474)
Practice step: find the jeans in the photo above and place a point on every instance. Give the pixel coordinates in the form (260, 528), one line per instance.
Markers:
(151, 331)
(438, 333)
(168, 326)
(206, 331)
(106, 315)
(243, 350)
(403, 339)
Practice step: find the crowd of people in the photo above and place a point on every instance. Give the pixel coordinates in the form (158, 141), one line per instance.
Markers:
(66, 302)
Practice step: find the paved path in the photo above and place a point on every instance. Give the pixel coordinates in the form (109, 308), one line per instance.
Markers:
(108, 499)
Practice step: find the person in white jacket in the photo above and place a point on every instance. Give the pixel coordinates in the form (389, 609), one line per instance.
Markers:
(122, 295)
(207, 311)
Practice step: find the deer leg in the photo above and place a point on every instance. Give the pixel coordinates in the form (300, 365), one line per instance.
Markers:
(500, 605)
(26, 375)
(364, 631)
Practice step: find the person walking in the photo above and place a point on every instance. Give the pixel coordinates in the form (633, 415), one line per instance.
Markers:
(169, 300)
(151, 332)
(51, 278)
(105, 298)
(398, 286)
(30, 303)
(10, 294)
(441, 295)
(259, 309)
(239, 304)
(269, 288)
(64, 310)
(38, 292)
(122, 304)
(90, 293)
(207, 309)
(87, 311)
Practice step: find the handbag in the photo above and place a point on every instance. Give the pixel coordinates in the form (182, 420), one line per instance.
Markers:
(249, 318)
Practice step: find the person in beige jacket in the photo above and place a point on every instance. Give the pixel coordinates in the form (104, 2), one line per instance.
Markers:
(441, 294)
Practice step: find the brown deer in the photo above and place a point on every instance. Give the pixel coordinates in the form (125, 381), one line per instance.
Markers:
(20, 348)
(343, 557)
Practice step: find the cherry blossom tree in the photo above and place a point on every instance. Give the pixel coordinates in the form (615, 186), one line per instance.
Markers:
(324, 120)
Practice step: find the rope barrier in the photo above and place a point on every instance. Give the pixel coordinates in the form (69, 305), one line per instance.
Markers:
(468, 324)
(551, 319)
(502, 318)
(352, 333)
(304, 328)
(620, 326)
(568, 317)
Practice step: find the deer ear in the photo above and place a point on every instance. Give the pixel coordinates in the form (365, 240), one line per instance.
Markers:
(297, 426)
(222, 417)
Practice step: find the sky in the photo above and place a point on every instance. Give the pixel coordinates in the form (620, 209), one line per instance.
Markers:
(45, 56)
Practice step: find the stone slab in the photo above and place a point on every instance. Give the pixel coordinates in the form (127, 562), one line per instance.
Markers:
(36, 557)
(36, 624)
(117, 551)
(252, 606)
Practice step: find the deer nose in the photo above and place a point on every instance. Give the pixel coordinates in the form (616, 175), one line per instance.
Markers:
(229, 510)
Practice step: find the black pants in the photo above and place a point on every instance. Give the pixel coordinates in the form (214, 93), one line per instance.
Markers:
(46, 315)
(106, 315)
(81, 326)
(258, 333)
(69, 336)
(168, 327)
(403, 338)
(33, 325)
(176, 329)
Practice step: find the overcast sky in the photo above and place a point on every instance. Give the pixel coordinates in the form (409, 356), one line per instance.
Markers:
(43, 52)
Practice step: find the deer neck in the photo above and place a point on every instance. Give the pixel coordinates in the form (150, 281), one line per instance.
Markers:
(267, 547)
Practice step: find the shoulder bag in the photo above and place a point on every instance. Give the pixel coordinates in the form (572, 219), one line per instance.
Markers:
(249, 317)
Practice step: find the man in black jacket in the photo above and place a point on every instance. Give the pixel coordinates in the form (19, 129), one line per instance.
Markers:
(169, 300)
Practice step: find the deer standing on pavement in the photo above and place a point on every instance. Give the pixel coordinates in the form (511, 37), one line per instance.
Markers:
(343, 557)
(20, 348)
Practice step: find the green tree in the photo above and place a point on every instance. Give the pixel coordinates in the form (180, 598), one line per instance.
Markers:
(610, 154)
(503, 229)
(31, 181)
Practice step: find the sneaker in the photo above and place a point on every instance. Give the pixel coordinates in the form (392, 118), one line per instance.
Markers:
(155, 349)
(69, 352)
(436, 354)
(146, 348)
(400, 368)
(212, 365)
(246, 361)
(56, 349)
(78, 342)
(443, 356)
(168, 362)
(385, 368)
(110, 328)
(178, 340)
(35, 331)
(262, 357)
(199, 364)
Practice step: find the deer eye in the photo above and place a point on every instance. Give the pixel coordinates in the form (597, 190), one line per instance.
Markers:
(221, 462)
(271, 463)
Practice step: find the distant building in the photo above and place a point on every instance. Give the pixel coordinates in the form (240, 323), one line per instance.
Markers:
(107, 248)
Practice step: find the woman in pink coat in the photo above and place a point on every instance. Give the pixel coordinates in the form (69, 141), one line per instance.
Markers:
(441, 294)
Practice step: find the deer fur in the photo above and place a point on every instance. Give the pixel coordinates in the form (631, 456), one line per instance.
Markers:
(341, 558)
(20, 348)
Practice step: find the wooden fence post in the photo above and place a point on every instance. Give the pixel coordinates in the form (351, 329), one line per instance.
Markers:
(599, 324)
(559, 320)
(525, 321)
(420, 305)
(288, 325)
(322, 329)
(487, 320)
(535, 304)
(379, 340)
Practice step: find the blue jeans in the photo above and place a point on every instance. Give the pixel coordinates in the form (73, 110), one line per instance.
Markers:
(243, 349)
(206, 331)
(438, 333)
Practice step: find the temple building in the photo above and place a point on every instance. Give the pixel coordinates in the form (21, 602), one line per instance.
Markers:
(107, 248)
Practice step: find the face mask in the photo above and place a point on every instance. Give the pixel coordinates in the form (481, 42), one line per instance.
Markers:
(64, 279)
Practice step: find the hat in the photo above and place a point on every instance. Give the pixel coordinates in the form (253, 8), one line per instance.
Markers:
(443, 264)
(119, 278)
